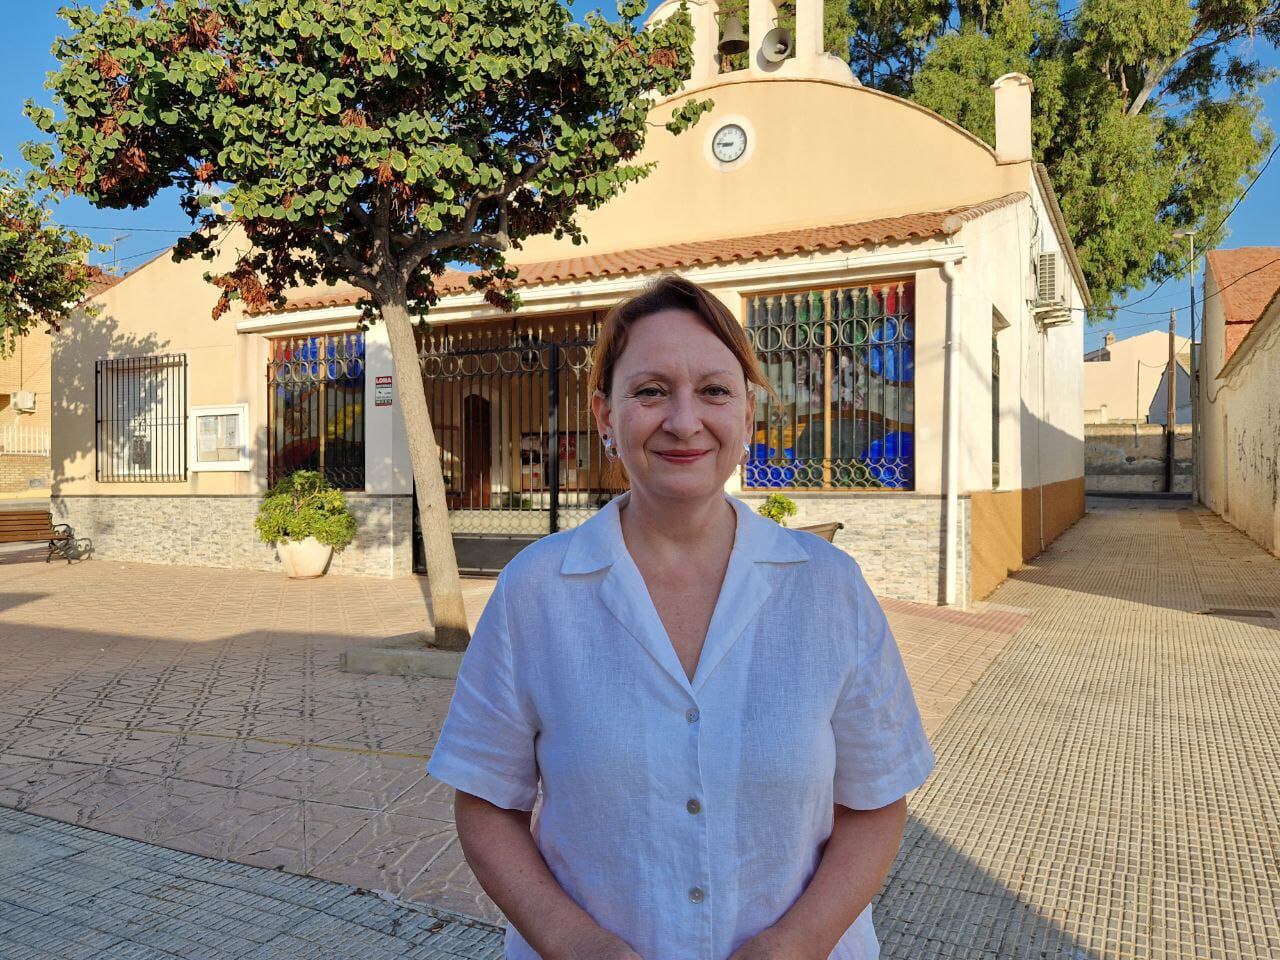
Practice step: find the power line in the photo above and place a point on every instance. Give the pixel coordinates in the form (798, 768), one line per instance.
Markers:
(81, 226)
(1204, 301)
(1221, 223)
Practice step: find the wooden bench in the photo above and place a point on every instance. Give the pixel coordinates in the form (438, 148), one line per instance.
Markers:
(827, 531)
(37, 526)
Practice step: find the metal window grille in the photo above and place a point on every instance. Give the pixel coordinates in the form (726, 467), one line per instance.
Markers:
(315, 408)
(141, 414)
(843, 363)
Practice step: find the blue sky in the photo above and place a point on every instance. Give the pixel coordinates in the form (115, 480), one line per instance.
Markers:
(142, 233)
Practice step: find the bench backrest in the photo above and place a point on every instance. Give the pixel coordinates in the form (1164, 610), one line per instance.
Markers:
(17, 526)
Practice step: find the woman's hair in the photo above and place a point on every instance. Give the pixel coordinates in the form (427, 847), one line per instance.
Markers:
(671, 292)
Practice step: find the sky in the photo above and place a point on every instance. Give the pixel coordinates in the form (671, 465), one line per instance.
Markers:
(136, 235)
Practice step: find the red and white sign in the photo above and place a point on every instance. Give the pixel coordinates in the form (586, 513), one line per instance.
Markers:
(382, 389)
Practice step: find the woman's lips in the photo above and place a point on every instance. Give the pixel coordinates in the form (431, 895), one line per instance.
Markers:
(682, 456)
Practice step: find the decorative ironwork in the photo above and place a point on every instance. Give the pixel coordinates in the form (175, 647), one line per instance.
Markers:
(141, 414)
(315, 408)
(843, 364)
(512, 417)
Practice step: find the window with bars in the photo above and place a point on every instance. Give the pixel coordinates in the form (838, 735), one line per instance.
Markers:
(843, 363)
(315, 408)
(140, 407)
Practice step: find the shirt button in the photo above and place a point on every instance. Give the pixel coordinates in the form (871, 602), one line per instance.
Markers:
(693, 806)
(691, 715)
(695, 894)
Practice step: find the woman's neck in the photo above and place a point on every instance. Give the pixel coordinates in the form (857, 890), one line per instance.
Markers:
(683, 526)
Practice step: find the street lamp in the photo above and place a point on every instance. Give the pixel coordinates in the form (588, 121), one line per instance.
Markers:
(1195, 368)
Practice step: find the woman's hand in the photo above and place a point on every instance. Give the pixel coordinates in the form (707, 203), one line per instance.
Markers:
(774, 943)
(597, 944)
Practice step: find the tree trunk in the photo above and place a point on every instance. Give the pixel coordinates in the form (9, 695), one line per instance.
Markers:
(449, 616)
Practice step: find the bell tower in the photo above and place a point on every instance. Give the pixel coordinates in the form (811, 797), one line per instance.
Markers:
(772, 49)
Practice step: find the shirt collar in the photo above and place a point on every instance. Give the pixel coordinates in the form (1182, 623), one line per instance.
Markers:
(598, 542)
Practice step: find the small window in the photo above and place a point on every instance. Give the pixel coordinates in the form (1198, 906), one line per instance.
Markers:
(315, 408)
(141, 414)
(218, 438)
(995, 412)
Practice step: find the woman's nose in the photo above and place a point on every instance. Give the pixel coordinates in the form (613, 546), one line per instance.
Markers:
(682, 419)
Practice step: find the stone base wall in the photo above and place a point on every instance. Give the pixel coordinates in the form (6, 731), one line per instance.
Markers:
(219, 532)
(19, 473)
(1130, 458)
(897, 539)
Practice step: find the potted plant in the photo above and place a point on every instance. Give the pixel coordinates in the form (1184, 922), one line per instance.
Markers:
(777, 508)
(307, 518)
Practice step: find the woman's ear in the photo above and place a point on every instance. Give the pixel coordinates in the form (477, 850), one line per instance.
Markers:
(600, 409)
(751, 411)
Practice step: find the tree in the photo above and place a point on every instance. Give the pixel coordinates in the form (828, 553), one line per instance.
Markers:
(368, 141)
(42, 266)
(1145, 111)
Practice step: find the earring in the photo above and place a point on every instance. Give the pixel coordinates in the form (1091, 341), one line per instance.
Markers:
(610, 451)
(746, 451)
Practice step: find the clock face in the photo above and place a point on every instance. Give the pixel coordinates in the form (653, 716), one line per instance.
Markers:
(729, 143)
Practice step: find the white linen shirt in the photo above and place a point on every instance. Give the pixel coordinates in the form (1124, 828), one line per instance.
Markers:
(684, 816)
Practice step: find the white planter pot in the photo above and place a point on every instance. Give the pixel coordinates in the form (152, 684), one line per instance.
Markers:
(304, 559)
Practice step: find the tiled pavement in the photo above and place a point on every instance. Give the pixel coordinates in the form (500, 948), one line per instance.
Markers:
(1111, 787)
(68, 893)
(203, 710)
(1108, 789)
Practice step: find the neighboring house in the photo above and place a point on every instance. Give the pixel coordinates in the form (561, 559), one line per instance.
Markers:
(912, 292)
(1124, 380)
(24, 409)
(1239, 401)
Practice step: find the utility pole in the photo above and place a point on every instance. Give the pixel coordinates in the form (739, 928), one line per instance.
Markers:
(1171, 404)
(1195, 368)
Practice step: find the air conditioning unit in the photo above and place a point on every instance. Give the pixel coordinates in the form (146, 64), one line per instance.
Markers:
(1050, 306)
(24, 401)
(1051, 287)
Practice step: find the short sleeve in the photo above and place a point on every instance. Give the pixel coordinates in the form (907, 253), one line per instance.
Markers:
(486, 746)
(882, 753)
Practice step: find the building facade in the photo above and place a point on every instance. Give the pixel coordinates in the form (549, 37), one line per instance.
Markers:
(912, 292)
(1238, 402)
(1125, 380)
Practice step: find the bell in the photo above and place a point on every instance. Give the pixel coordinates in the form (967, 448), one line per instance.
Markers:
(733, 40)
(777, 45)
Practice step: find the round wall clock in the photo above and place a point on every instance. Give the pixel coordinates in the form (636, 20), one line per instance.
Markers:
(729, 143)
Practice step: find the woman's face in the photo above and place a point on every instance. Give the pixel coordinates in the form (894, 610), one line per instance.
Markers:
(679, 409)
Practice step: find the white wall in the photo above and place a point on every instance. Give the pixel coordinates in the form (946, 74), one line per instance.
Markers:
(1241, 440)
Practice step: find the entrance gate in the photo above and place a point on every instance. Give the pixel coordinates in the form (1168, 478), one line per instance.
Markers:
(518, 447)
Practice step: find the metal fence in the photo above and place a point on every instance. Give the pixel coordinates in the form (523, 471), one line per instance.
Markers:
(22, 441)
(315, 408)
(512, 418)
(141, 415)
(843, 364)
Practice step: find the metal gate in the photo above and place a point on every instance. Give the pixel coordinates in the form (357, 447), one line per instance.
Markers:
(518, 448)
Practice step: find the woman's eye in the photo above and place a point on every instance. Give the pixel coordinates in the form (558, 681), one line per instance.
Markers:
(648, 392)
(717, 391)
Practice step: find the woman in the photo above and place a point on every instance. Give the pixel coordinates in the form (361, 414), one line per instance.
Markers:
(712, 705)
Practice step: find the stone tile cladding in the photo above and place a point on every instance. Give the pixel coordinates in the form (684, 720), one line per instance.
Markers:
(897, 539)
(218, 532)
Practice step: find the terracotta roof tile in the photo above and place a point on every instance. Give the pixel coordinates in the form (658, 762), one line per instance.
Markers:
(669, 256)
(1248, 280)
(100, 281)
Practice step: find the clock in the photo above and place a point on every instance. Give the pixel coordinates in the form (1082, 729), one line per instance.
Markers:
(729, 143)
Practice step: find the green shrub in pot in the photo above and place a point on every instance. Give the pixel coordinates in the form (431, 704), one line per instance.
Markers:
(777, 508)
(305, 504)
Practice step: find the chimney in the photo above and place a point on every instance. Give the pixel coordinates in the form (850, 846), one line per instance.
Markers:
(1109, 339)
(1013, 118)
